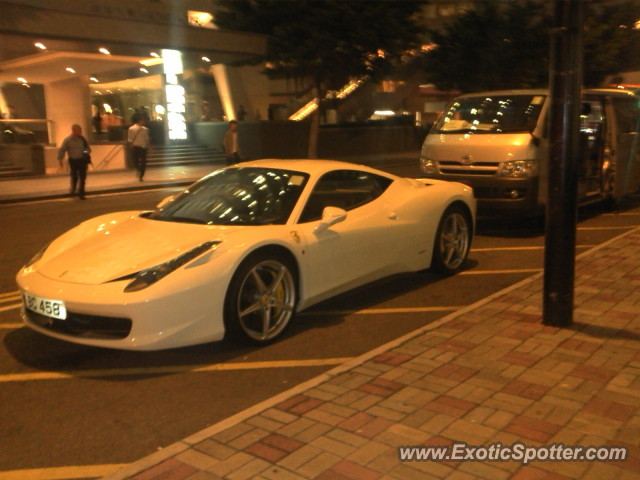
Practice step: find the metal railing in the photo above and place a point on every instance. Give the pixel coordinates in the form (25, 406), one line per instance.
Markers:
(9, 122)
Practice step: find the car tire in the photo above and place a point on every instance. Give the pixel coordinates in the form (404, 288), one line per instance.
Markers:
(261, 299)
(452, 241)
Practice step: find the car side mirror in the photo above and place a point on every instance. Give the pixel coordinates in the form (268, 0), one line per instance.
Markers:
(330, 216)
(165, 201)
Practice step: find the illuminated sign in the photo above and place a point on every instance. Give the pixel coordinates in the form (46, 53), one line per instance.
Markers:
(175, 95)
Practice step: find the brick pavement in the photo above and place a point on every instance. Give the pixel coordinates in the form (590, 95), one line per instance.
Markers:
(490, 373)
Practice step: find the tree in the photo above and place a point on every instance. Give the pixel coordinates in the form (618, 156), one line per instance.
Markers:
(504, 45)
(328, 41)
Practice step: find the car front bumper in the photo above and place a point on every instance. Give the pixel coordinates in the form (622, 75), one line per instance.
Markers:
(494, 194)
(104, 316)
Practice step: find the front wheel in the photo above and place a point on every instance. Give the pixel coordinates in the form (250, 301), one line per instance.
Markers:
(452, 241)
(261, 299)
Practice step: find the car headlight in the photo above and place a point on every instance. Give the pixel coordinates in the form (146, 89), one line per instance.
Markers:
(148, 277)
(428, 166)
(37, 256)
(519, 168)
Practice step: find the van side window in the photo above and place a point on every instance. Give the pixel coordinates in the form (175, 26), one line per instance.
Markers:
(347, 189)
(626, 114)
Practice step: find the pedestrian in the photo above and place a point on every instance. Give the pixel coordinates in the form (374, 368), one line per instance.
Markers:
(230, 143)
(134, 116)
(241, 113)
(139, 142)
(77, 149)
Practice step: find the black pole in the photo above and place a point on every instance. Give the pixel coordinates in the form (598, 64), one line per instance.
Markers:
(564, 143)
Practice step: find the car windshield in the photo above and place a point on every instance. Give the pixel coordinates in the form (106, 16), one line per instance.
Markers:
(237, 196)
(491, 114)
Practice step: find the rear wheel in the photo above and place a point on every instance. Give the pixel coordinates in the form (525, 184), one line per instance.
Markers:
(452, 241)
(261, 299)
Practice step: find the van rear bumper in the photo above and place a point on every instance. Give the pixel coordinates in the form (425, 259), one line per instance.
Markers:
(494, 194)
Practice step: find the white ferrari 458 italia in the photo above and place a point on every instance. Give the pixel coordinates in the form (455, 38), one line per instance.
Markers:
(239, 252)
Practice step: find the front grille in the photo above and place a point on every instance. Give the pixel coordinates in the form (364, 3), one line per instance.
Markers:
(486, 192)
(453, 167)
(85, 326)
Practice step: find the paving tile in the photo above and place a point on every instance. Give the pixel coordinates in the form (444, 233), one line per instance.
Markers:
(249, 470)
(215, 449)
(196, 459)
(354, 471)
(318, 464)
(300, 457)
(230, 464)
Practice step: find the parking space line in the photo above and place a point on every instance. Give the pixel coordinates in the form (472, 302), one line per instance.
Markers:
(538, 247)
(59, 473)
(171, 369)
(10, 307)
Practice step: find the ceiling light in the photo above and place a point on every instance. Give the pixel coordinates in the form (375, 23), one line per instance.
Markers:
(41, 46)
(109, 91)
(20, 79)
(26, 85)
(70, 70)
(105, 51)
(144, 70)
(98, 92)
(154, 54)
(94, 79)
(206, 59)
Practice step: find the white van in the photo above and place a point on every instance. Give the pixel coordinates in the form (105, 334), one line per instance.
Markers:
(496, 142)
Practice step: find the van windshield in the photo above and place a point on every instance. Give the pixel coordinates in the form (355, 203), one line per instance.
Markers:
(491, 114)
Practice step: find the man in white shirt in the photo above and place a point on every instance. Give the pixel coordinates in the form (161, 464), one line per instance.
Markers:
(140, 145)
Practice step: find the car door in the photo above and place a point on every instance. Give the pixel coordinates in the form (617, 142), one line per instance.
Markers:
(356, 250)
(627, 146)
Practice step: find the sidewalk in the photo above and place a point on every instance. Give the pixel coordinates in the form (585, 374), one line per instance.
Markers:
(489, 372)
(57, 186)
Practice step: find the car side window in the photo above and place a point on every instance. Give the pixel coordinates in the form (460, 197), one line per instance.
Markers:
(347, 189)
(626, 113)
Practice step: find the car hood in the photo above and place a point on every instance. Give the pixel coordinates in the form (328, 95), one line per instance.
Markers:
(486, 147)
(110, 247)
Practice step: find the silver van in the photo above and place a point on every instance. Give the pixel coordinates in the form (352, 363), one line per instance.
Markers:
(496, 142)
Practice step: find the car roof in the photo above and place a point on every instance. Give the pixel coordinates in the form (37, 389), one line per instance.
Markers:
(310, 166)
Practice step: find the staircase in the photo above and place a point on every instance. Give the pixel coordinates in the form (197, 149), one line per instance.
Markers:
(8, 170)
(181, 155)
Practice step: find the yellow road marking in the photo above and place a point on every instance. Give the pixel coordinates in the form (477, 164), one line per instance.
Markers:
(16, 298)
(10, 326)
(58, 473)
(9, 294)
(316, 362)
(10, 307)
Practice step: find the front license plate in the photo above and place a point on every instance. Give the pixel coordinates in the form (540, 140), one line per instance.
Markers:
(45, 306)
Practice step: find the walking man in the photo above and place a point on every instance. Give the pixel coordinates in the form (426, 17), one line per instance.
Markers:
(230, 143)
(77, 149)
(140, 145)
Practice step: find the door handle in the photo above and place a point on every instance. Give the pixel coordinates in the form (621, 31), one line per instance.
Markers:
(393, 216)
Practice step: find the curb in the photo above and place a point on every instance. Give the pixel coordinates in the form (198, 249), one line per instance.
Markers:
(186, 443)
(140, 188)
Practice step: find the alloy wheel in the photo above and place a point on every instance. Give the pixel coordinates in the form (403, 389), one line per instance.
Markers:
(266, 300)
(454, 240)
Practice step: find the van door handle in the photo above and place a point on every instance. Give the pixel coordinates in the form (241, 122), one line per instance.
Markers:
(393, 216)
